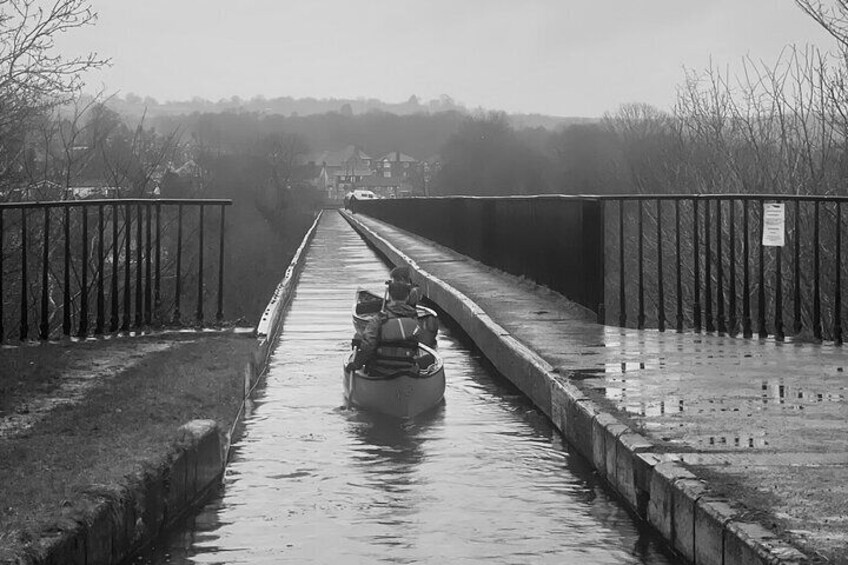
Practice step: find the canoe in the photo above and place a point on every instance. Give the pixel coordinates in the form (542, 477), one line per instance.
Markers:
(368, 304)
(401, 395)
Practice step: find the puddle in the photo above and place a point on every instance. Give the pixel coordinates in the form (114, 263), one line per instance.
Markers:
(735, 441)
(776, 392)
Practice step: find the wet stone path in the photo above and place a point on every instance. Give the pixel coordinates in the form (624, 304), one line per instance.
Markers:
(482, 479)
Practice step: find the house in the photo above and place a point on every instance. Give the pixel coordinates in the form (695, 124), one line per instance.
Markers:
(395, 165)
(412, 175)
(341, 170)
(392, 175)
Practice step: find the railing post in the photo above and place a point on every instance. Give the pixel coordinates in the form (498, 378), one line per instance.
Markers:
(817, 326)
(796, 326)
(678, 266)
(837, 291)
(732, 322)
(101, 267)
(66, 301)
(148, 272)
(139, 268)
(708, 275)
(44, 333)
(722, 325)
(778, 295)
(640, 320)
(622, 303)
(696, 314)
(219, 316)
(199, 316)
(83, 323)
(24, 326)
(660, 287)
(746, 276)
(178, 288)
(113, 322)
(125, 325)
(157, 286)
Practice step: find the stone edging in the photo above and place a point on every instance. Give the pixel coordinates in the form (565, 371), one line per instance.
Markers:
(701, 527)
(129, 517)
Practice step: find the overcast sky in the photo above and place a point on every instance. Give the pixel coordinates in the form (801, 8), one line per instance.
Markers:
(558, 57)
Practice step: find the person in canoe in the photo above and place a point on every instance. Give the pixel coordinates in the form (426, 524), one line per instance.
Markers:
(389, 343)
(402, 275)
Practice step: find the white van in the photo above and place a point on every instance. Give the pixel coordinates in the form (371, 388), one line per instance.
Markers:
(361, 194)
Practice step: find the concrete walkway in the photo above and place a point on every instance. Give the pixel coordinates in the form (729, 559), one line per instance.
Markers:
(761, 424)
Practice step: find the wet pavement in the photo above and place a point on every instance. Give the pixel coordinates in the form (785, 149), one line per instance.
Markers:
(766, 421)
(483, 478)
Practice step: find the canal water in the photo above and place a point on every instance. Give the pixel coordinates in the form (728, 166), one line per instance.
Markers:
(484, 478)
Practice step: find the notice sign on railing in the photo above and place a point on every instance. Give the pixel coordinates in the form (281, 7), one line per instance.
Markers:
(774, 224)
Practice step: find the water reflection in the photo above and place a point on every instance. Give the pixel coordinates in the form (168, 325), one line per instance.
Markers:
(389, 443)
(648, 389)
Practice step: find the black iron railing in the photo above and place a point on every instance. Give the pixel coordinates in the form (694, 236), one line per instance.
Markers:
(105, 265)
(690, 262)
(724, 279)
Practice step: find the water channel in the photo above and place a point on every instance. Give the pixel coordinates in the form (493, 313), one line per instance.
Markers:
(484, 478)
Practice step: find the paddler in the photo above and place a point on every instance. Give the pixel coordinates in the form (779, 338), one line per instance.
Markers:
(389, 342)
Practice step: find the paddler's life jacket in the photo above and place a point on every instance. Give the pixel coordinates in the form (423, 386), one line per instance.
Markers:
(397, 347)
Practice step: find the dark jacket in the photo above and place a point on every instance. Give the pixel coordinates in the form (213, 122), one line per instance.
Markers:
(371, 338)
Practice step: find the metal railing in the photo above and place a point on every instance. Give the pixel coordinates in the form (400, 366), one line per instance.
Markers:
(722, 278)
(687, 262)
(69, 259)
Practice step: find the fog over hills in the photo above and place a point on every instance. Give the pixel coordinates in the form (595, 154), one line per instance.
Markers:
(135, 105)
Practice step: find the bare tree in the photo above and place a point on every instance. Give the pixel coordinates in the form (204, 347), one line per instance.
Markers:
(648, 140)
(34, 77)
(284, 153)
(832, 16)
(131, 157)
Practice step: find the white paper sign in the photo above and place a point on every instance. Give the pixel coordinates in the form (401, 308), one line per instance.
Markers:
(774, 224)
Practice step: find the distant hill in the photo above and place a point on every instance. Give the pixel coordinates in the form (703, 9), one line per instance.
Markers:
(522, 121)
(133, 105)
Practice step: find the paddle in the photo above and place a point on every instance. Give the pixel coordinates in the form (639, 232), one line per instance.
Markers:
(385, 297)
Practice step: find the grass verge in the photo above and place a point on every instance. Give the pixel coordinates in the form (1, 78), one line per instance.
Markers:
(51, 472)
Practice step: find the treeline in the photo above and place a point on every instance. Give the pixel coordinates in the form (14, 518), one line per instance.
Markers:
(134, 106)
(419, 135)
(487, 156)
